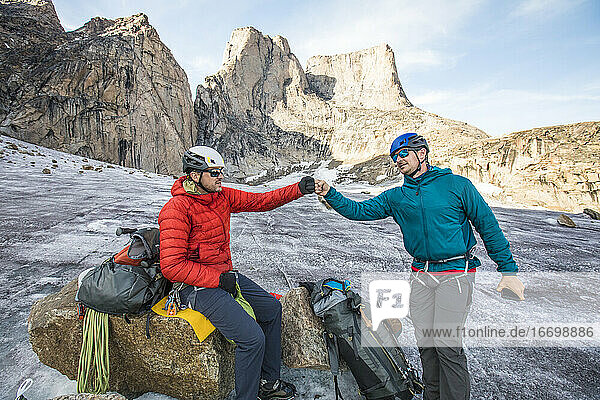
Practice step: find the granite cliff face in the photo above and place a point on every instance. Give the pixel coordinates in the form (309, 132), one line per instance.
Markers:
(263, 111)
(235, 107)
(110, 90)
(364, 79)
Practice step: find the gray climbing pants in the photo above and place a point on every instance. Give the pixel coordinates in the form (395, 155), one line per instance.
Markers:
(439, 305)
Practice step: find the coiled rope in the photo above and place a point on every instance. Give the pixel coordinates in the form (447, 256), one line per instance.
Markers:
(93, 359)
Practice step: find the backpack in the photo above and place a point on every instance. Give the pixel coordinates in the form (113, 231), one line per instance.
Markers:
(380, 372)
(130, 281)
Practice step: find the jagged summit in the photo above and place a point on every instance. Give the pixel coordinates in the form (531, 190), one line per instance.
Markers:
(347, 106)
(126, 26)
(243, 39)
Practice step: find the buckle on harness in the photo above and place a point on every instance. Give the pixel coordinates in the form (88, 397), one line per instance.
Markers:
(467, 256)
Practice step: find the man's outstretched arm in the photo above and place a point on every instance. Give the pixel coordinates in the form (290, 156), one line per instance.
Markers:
(241, 201)
(368, 210)
(496, 244)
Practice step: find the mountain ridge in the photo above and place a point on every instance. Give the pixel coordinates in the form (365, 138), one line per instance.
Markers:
(113, 91)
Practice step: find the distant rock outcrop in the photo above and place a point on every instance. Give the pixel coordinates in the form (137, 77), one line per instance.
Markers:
(365, 79)
(554, 167)
(110, 90)
(263, 111)
(591, 213)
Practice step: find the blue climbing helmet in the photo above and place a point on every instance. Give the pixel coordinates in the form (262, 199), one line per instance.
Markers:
(410, 141)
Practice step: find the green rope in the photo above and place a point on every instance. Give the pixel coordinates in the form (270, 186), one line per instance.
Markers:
(94, 354)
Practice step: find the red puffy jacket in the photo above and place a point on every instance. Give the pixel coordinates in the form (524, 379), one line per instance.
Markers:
(194, 230)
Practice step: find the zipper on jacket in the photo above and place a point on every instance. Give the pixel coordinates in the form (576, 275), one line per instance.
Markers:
(425, 233)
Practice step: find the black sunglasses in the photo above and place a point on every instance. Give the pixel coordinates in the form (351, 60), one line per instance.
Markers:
(214, 173)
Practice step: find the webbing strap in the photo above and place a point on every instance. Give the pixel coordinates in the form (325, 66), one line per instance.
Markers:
(338, 392)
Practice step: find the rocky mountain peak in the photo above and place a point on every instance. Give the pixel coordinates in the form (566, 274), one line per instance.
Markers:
(110, 90)
(248, 41)
(366, 78)
(39, 13)
(257, 70)
(128, 26)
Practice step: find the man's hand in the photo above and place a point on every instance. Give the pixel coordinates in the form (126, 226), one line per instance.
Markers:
(512, 283)
(321, 187)
(227, 282)
(307, 185)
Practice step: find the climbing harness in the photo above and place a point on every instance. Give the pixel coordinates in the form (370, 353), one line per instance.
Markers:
(467, 256)
(93, 359)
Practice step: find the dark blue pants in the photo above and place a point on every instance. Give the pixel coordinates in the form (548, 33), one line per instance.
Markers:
(258, 343)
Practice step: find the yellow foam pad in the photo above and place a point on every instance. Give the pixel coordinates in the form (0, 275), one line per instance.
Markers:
(200, 324)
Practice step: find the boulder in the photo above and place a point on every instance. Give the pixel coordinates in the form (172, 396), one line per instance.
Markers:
(90, 396)
(591, 213)
(566, 221)
(172, 354)
(302, 343)
(172, 362)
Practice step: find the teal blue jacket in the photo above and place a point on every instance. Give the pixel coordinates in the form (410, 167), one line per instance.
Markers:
(433, 212)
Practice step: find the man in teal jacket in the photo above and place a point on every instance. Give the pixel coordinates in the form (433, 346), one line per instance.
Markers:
(435, 209)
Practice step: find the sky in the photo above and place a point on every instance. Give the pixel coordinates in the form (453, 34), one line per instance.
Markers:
(503, 66)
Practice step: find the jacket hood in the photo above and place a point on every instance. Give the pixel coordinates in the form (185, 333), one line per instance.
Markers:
(178, 190)
(431, 174)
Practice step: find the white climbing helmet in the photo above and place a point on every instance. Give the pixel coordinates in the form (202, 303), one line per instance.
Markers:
(201, 158)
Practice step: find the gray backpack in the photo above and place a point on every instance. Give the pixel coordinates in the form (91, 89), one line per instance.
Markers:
(130, 281)
(380, 372)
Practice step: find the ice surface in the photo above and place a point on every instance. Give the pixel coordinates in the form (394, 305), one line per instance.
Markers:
(56, 225)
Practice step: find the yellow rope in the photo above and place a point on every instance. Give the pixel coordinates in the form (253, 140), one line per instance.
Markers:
(94, 353)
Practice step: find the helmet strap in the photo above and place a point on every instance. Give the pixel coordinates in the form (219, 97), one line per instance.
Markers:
(412, 174)
(199, 183)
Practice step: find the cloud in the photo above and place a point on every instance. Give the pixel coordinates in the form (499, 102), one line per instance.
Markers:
(414, 29)
(544, 8)
(202, 63)
(500, 111)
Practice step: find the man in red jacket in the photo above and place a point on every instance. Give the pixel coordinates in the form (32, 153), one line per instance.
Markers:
(194, 249)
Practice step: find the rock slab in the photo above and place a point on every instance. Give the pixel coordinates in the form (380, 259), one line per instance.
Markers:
(566, 221)
(302, 340)
(173, 354)
(591, 213)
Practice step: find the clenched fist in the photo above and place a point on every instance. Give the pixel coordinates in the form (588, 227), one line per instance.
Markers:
(321, 187)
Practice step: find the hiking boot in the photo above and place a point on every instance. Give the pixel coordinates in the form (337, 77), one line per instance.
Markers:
(276, 390)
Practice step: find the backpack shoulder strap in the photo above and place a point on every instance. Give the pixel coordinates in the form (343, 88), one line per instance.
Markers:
(334, 361)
